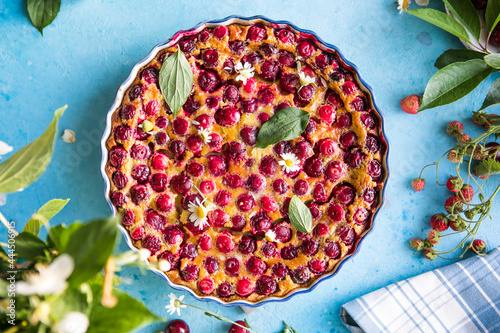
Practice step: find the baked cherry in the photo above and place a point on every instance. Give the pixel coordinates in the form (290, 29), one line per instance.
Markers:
(164, 203)
(150, 75)
(348, 139)
(140, 152)
(232, 266)
(218, 218)
(208, 81)
(177, 326)
(228, 66)
(347, 234)
(127, 112)
(357, 104)
(118, 199)
(231, 94)
(268, 50)
(159, 182)
(180, 126)
(215, 143)
(269, 70)
(187, 44)
(210, 58)
(313, 167)
(255, 183)
(354, 158)
(361, 215)
(282, 105)
(173, 235)
(191, 106)
(268, 204)
(289, 83)
(152, 243)
(323, 60)
(302, 149)
(159, 161)
(128, 218)
(327, 147)
(282, 147)
(136, 92)
(280, 271)
(212, 102)
(252, 58)
(206, 285)
(247, 245)
(244, 287)
(238, 222)
(349, 88)
(117, 155)
(181, 183)
(190, 272)
(177, 147)
(265, 96)
(334, 99)
(315, 212)
(211, 265)
(195, 169)
(205, 242)
(171, 258)
(369, 195)
(207, 186)
(300, 187)
(152, 108)
(372, 143)
(217, 165)
(224, 243)
(283, 232)
(140, 173)
(227, 116)
(237, 46)
(301, 275)
(223, 198)
(367, 120)
(306, 93)
(344, 120)
(256, 34)
(375, 169)
(306, 49)
(319, 193)
(344, 194)
(327, 114)
(335, 170)
(260, 223)
(225, 289)
(250, 86)
(137, 233)
(309, 247)
(161, 138)
(249, 105)
(266, 285)
(123, 133)
(289, 252)
(285, 36)
(268, 166)
(256, 266)
(245, 202)
(155, 220)
(236, 151)
(268, 250)
(119, 179)
(321, 229)
(194, 199)
(332, 249)
(336, 212)
(220, 32)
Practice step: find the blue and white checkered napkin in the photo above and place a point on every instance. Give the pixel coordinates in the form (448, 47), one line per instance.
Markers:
(462, 297)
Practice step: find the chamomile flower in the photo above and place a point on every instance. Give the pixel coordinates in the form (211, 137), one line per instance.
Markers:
(199, 213)
(205, 135)
(290, 162)
(246, 71)
(175, 304)
(147, 127)
(403, 5)
(270, 236)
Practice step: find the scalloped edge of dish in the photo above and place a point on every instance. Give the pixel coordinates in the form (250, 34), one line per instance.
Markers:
(244, 21)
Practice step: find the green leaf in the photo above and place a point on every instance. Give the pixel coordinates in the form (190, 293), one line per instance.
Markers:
(493, 60)
(487, 167)
(442, 21)
(286, 124)
(72, 299)
(492, 14)
(128, 315)
(58, 236)
(300, 215)
(493, 96)
(454, 82)
(27, 164)
(465, 13)
(44, 214)
(90, 246)
(176, 81)
(29, 246)
(43, 12)
(460, 55)
(291, 329)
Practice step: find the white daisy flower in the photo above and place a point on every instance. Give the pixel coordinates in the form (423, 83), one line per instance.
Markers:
(5, 148)
(205, 135)
(246, 71)
(175, 304)
(73, 322)
(199, 213)
(403, 5)
(270, 235)
(290, 162)
(50, 279)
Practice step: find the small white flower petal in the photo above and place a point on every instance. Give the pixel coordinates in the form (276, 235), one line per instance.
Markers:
(73, 322)
(422, 2)
(144, 254)
(270, 235)
(164, 265)
(5, 148)
(68, 136)
(3, 199)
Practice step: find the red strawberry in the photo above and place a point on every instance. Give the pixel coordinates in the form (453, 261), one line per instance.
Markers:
(478, 117)
(439, 222)
(454, 184)
(434, 236)
(466, 193)
(410, 104)
(478, 246)
(453, 205)
(488, 122)
(454, 128)
(417, 244)
(482, 177)
(463, 138)
(430, 254)
(453, 156)
(418, 184)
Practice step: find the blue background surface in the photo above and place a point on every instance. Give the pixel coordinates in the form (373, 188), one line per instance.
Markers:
(89, 51)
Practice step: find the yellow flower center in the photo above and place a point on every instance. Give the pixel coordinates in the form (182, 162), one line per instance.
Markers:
(200, 212)
(289, 163)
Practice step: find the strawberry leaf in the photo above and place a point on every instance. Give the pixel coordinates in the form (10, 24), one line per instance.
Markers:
(460, 55)
(465, 13)
(442, 21)
(493, 96)
(487, 167)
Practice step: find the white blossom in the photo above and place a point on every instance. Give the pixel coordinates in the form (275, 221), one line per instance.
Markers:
(73, 322)
(68, 136)
(199, 213)
(164, 265)
(205, 135)
(175, 304)
(270, 235)
(5, 148)
(246, 71)
(403, 5)
(290, 162)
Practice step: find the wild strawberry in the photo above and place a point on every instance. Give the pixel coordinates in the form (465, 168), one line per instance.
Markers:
(410, 104)
(453, 204)
(454, 184)
(488, 121)
(453, 156)
(454, 128)
(470, 213)
(478, 246)
(463, 138)
(478, 117)
(418, 184)
(430, 254)
(457, 223)
(482, 177)
(439, 222)
(434, 236)
(479, 152)
(466, 193)
(417, 244)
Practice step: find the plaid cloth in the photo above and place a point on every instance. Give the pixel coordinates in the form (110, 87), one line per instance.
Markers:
(462, 297)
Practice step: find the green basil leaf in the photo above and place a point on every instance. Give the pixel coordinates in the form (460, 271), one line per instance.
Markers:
(44, 214)
(43, 12)
(487, 167)
(442, 21)
(58, 236)
(300, 215)
(286, 124)
(176, 81)
(465, 13)
(27, 164)
(492, 14)
(128, 314)
(454, 82)
(29, 246)
(493, 60)
(493, 96)
(451, 56)
(90, 246)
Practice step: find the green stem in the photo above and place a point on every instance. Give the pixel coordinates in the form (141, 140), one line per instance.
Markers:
(216, 316)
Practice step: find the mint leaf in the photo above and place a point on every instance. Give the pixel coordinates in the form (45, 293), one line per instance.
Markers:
(176, 81)
(290, 329)
(487, 167)
(465, 13)
(43, 12)
(300, 215)
(442, 21)
(286, 124)
(454, 82)
(27, 164)
(452, 56)
(90, 246)
(493, 96)
(492, 14)
(29, 246)
(493, 60)
(128, 314)
(58, 236)
(44, 214)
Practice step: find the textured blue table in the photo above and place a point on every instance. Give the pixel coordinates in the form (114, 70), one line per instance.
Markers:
(90, 49)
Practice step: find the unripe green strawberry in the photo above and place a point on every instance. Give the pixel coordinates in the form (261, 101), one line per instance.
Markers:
(417, 244)
(478, 246)
(453, 205)
(453, 156)
(410, 104)
(454, 184)
(470, 213)
(430, 254)
(434, 236)
(439, 222)
(458, 224)
(454, 128)
(418, 184)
